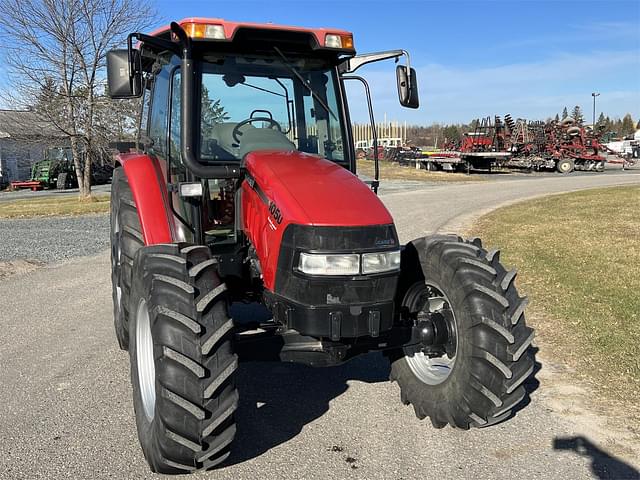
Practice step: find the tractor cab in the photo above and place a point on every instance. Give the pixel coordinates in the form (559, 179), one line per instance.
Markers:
(251, 89)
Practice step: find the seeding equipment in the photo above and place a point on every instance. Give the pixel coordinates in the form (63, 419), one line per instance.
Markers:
(243, 189)
(563, 146)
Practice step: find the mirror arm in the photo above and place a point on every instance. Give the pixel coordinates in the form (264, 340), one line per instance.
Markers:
(353, 63)
(149, 40)
(374, 133)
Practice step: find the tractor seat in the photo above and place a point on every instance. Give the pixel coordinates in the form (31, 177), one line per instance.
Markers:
(264, 139)
(252, 139)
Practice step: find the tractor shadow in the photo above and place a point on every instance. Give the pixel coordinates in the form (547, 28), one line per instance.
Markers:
(278, 399)
(604, 466)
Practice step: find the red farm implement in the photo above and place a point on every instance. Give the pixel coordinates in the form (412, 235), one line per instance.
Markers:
(563, 146)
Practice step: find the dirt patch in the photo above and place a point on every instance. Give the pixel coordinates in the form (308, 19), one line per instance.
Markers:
(565, 393)
(15, 267)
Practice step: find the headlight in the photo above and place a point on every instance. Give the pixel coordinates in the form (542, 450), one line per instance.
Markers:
(320, 264)
(380, 262)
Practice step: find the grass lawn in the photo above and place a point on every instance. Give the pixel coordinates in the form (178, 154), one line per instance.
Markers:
(393, 171)
(53, 205)
(578, 257)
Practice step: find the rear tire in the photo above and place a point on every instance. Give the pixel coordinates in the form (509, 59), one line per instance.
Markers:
(126, 239)
(61, 181)
(182, 363)
(492, 356)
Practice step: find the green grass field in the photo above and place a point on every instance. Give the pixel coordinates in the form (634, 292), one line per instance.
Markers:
(53, 205)
(578, 257)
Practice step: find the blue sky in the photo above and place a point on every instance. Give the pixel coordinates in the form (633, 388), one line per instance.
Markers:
(474, 58)
(479, 58)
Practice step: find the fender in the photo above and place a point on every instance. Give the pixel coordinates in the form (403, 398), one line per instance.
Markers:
(146, 180)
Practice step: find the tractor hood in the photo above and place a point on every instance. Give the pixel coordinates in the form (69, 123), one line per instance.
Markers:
(310, 190)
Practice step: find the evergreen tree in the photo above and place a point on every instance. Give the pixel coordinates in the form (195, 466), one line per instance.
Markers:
(577, 115)
(601, 119)
(212, 113)
(627, 125)
(557, 118)
(565, 114)
(451, 133)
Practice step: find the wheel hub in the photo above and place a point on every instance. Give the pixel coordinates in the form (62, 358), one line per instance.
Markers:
(436, 333)
(145, 360)
(432, 355)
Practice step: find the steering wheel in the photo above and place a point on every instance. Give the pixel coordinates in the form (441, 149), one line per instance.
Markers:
(236, 133)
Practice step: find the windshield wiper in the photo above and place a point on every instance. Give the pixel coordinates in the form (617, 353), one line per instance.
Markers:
(304, 82)
(262, 89)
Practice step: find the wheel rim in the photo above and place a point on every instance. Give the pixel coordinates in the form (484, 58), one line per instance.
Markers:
(145, 360)
(431, 370)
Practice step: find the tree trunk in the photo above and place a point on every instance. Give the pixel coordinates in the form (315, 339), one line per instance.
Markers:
(88, 160)
(77, 165)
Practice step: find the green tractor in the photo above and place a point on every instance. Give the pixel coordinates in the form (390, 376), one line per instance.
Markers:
(56, 170)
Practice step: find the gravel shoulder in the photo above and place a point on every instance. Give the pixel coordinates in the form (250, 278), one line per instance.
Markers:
(51, 239)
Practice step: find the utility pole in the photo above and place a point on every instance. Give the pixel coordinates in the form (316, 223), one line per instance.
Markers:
(594, 95)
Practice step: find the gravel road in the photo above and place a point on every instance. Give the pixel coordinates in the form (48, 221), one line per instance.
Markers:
(66, 400)
(51, 239)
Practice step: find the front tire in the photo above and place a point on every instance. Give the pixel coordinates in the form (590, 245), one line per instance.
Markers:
(480, 380)
(182, 363)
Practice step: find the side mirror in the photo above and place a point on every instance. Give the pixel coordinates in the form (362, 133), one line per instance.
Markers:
(122, 81)
(407, 87)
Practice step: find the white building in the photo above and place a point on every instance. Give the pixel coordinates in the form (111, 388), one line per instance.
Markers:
(24, 136)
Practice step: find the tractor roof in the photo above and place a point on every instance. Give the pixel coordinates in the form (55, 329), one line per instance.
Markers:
(224, 31)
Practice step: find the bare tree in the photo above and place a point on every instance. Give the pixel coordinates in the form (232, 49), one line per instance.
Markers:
(55, 53)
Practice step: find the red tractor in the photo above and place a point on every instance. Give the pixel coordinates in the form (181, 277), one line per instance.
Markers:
(243, 189)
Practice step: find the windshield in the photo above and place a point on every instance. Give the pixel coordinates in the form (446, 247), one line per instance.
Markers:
(259, 103)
